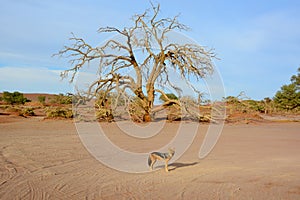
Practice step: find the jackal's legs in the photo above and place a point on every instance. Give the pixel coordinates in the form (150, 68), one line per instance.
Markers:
(153, 160)
(166, 166)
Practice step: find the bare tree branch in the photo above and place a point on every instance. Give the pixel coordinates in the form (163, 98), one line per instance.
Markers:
(149, 33)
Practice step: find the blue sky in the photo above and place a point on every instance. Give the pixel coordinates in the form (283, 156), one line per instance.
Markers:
(258, 42)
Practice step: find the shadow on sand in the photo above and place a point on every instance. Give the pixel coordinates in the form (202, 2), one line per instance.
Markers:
(177, 165)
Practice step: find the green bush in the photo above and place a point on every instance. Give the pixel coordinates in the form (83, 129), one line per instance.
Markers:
(245, 106)
(103, 107)
(232, 100)
(287, 98)
(255, 105)
(27, 112)
(62, 99)
(20, 111)
(12, 110)
(58, 112)
(42, 99)
(14, 98)
(169, 95)
(136, 110)
(103, 114)
(173, 113)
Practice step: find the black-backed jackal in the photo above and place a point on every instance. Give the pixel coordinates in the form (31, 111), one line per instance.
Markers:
(154, 156)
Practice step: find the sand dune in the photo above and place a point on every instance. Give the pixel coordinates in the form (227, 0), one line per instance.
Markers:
(45, 159)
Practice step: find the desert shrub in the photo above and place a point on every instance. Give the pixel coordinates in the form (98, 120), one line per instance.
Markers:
(269, 106)
(42, 99)
(239, 105)
(11, 109)
(253, 105)
(136, 110)
(14, 98)
(103, 114)
(27, 112)
(169, 95)
(173, 113)
(58, 112)
(232, 100)
(103, 107)
(62, 99)
(234, 104)
(4, 107)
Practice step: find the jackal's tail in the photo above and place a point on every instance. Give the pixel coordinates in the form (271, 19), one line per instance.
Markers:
(149, 160)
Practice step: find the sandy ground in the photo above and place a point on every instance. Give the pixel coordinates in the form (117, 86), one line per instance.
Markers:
(45, 159)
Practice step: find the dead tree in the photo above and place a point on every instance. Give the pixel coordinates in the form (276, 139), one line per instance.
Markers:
(149, 33)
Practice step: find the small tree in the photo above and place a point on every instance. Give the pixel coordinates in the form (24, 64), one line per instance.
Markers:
(288, 97)
(295, 79)
(14, 98)
(148, 33)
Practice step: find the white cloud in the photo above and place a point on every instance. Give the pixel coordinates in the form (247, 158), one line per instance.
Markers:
(32, 80)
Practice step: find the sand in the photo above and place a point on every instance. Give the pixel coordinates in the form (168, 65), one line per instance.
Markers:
(45, 159)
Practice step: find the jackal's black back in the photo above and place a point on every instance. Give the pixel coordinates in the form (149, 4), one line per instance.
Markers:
(162, 155)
